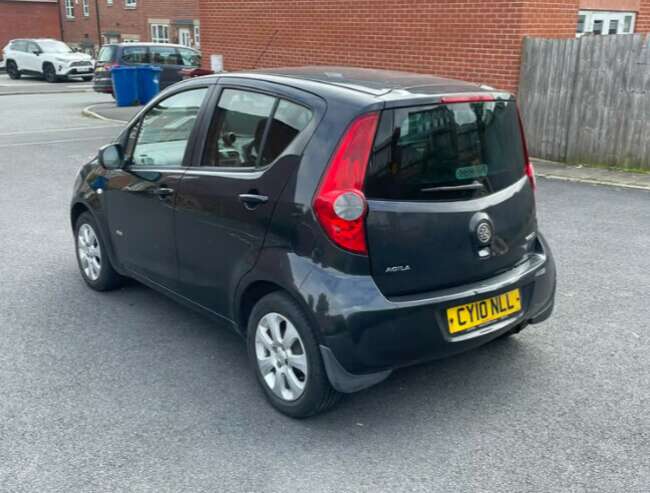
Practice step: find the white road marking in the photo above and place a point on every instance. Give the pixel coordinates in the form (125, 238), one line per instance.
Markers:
(47, 142)
(73, 129)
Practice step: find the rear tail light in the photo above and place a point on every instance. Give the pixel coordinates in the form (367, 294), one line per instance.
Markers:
(529, 169)
(340, 205)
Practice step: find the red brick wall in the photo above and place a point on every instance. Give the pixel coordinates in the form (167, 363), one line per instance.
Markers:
(119, 19)
(28, 20)
(643, 18)
(468, 39)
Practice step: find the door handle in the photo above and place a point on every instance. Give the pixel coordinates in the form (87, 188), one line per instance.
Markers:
(252, 200)
(163, 191)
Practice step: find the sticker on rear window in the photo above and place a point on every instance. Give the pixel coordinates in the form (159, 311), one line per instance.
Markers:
(469, 172)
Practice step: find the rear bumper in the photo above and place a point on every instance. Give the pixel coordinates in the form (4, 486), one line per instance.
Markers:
(367, 335)
(104, 86)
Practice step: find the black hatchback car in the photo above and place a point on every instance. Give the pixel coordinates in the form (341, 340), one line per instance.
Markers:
(346, 222)
(172, 60)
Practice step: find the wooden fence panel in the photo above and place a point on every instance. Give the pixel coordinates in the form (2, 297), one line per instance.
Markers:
(588, 100)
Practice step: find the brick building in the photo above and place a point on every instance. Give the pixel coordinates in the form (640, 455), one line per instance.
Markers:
(29, 19)
(167, 21)
(478, 40)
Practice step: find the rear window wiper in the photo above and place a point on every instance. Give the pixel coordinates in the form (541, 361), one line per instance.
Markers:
(477, 185)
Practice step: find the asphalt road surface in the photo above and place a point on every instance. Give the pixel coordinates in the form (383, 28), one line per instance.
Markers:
(128, 391)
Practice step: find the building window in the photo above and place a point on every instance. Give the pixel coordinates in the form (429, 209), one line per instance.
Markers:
(69, 9)
(109, 2)
(130, 4)
(598, 27)
(159, 33)
(197, 36)
(628, 24)
(184, 37)
(86, 8)
(605, 22)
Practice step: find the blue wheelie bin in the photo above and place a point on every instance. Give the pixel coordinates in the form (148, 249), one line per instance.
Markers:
(148, 83)
(125, 85)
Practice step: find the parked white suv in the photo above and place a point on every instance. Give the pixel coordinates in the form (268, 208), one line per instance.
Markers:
(49, 58)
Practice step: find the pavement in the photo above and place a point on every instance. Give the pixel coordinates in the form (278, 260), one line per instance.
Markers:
(27, 85)
(109, 111)
(129, 391)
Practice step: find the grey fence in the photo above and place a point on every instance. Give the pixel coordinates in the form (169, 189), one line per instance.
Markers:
(587, 100)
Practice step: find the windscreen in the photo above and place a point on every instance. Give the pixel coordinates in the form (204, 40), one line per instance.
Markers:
(446, 152)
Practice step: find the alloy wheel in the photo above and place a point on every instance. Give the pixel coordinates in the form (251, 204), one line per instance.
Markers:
(89, 251)
(50, 74)
(12, 70)
(281, 356)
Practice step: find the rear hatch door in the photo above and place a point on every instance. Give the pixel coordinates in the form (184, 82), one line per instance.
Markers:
(449, 201)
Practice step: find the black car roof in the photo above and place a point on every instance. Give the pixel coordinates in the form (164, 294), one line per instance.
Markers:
(367, 84)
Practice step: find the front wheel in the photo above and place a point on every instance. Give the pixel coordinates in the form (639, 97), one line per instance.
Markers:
(12, 70)
(286, 358)
(50, 74)
(95, 267)
(87, 79)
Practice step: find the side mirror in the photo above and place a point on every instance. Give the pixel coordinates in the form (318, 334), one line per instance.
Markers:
(36, 52)
(111, 156)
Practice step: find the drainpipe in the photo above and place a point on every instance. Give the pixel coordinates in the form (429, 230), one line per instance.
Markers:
(58, 6)
(99, 29)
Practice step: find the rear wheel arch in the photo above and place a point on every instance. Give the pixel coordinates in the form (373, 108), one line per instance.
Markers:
(254, 292)
(257, 290)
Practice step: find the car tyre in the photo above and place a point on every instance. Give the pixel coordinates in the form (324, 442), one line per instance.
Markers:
(12, 70)
(285, 356)
(92, 257)
(50, 73)
(87, 79)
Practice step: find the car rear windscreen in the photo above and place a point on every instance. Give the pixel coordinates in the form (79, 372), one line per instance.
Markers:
(446, 152)
(106, 54)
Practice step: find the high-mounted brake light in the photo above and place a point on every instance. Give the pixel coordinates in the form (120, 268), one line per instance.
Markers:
(467, 98)
(339, 204)
(529, 169)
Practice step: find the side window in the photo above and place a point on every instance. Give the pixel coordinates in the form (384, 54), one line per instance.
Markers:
(288, 121)
(165, 130)
(32, 47)
(162, 55)
(189, 58)
(135, 54)
(235, 138)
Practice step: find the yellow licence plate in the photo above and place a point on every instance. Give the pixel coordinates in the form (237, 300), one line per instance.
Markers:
(466, 317)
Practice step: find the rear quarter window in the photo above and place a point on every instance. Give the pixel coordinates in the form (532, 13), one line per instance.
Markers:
(135, 54)
(446, 152)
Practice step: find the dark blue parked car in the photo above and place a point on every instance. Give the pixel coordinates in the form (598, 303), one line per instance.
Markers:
(172, 60)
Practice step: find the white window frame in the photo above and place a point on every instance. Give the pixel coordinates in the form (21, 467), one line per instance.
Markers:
(85, 8)
(130, 4)
(197, 36)
(185, 31)
(69, 9)
(159, 33)
(606, 16)
(109, 2)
